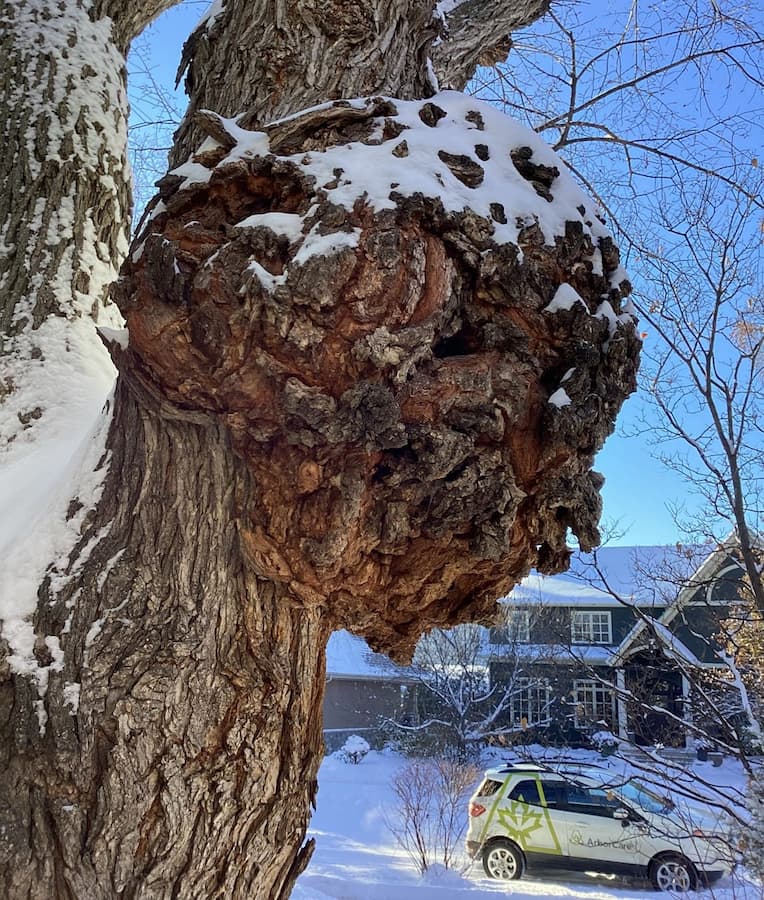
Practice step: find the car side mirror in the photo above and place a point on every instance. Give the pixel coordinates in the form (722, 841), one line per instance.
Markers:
(623, 814)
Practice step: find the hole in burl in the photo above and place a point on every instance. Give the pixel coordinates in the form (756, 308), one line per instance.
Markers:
(457, 471)
(465, 342)
(264, 195)
(380, 473)
(394, 460)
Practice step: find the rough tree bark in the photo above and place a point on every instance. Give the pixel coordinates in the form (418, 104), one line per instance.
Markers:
(361, 438)
(308, 53)
(65, 203)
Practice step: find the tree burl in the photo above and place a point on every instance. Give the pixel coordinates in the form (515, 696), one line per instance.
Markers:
(414, 327)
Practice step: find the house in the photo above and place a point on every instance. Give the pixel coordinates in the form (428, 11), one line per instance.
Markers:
(363, 688)
(620, 643)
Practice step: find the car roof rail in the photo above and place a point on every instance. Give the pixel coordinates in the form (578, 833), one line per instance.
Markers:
(562, 765)
(522, 766)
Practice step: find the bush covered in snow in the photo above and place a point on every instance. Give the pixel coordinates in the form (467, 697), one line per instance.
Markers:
(353, 750)
(606, 742)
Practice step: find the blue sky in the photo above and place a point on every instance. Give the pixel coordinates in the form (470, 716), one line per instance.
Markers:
(638, 488)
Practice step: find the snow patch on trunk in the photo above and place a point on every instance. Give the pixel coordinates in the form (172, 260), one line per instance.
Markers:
(560, 398)
(49, 484)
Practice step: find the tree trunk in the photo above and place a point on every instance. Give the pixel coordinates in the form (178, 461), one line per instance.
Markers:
(164, 738)
(65, 200)
(303, 54)
(183, 699)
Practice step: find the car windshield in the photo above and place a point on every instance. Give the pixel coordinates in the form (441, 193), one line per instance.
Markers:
(644, 797)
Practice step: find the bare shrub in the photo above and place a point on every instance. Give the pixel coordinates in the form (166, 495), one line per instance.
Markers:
(429, 818)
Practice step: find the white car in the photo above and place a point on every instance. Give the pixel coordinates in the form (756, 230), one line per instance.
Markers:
(526, 816)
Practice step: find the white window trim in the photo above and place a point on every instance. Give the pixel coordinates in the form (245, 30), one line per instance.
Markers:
(593, 685)
(580, 616)
(520, 624)
(521, 698)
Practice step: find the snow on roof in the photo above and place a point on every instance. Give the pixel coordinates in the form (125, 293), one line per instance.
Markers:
(563, 654)
(640, 576)
(350, 656)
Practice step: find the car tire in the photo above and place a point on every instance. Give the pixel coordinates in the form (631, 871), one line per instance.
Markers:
(674, 873)
(503, 860)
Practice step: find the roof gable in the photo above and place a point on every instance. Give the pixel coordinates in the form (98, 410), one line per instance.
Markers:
(717, 561)
(661, 579)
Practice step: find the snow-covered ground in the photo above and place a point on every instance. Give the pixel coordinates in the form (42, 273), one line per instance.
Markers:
(357, 858)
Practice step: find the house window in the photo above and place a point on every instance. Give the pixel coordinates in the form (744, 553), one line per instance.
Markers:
(530, 701)
(593, 704)
(591, 627)
(518, 625)
(515, 630)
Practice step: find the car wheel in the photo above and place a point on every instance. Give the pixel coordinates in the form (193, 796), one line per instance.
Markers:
(673, 873)
(503, 860)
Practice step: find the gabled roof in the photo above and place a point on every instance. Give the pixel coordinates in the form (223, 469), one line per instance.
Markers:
(624, 578)
(704, 574)
(662, 579)
(348, 656)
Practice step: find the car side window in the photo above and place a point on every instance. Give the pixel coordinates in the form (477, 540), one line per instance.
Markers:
(592, 801)
(555, 794)
(489, 787)
(526, 792)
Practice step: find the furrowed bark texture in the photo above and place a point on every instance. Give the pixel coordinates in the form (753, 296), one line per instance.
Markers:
(337, 416)
(175, 704)
(309, 52)
(65, 198)
(184, 720)
(477, 33)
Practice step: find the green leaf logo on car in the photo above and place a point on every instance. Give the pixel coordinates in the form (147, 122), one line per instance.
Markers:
(520, 820)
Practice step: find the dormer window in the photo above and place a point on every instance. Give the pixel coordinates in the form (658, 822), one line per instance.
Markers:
(515, 630)
(519, 626)
(588, 627)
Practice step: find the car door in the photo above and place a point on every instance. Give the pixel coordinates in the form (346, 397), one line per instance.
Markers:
(596, 837)
(523, 817)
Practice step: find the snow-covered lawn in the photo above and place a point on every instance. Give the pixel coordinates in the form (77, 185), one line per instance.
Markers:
(357, 858)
